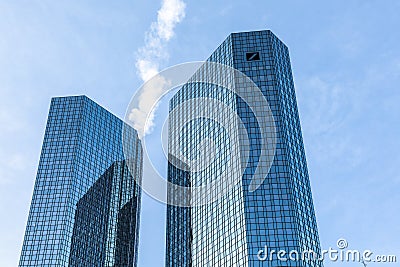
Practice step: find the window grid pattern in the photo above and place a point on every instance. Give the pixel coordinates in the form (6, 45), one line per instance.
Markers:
(82, 140)
(280, 213)
(217, 230)
(179, 240)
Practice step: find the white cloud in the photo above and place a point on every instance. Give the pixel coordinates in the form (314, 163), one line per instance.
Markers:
(142, 116)
(171, 13)
(149, 58)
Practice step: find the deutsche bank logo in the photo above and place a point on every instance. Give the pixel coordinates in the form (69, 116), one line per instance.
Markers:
(252, 56)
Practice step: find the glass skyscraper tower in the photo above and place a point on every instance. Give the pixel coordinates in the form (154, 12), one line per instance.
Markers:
(86, 204)
(279, 214)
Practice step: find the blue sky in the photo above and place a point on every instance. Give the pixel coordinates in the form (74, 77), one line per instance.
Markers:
(346, 65)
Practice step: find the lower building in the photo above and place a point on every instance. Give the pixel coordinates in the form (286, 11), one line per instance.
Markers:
(85, 206)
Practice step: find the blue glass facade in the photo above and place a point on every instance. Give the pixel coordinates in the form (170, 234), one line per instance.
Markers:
(86, 205)
(279, 215)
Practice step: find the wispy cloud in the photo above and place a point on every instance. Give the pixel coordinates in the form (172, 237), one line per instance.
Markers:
(151, 55)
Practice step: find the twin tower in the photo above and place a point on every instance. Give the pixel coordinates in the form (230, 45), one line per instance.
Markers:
(85, 209)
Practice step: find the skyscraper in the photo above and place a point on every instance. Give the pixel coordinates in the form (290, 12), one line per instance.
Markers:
(279, 214)
(86, 204)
